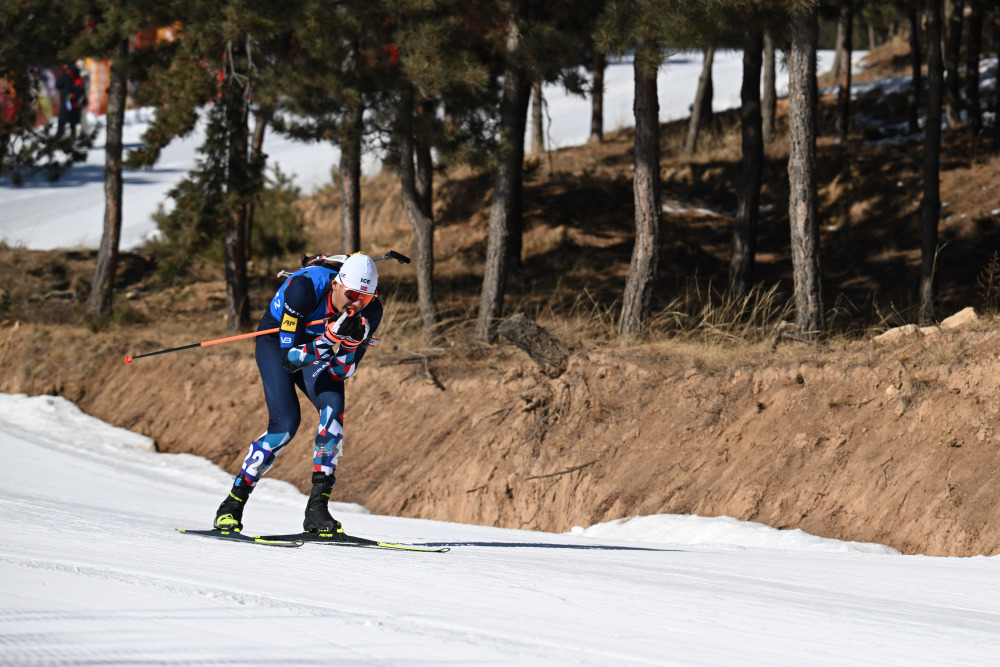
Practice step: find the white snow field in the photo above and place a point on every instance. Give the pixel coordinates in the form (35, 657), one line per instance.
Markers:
(92, 572)
(70, 213)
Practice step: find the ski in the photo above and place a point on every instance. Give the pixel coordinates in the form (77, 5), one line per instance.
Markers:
(233, 536)
(342, 539)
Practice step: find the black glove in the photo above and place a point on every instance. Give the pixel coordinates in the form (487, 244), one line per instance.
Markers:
(351, 330)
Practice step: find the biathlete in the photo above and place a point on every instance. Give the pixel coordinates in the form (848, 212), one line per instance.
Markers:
(316, 359)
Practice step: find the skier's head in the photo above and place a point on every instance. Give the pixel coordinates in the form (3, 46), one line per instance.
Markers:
(354, 286)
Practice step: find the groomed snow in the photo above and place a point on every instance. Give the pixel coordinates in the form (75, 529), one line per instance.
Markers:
(93, 573)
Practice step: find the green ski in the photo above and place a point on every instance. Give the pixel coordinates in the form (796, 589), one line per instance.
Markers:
(234, 536)
(342, 539)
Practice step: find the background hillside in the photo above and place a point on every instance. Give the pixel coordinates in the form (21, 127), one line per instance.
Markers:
(717, 414)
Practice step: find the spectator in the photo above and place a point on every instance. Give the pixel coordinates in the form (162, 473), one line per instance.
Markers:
(72, 97)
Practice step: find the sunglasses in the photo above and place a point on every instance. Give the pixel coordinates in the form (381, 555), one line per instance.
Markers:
(354, 295)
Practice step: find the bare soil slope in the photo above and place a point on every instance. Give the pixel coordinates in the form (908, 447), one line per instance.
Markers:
(896, 444)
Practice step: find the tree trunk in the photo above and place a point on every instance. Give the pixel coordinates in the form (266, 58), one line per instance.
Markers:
(844, 48)
(425, 160)
(802, 205)
(350, 179)
(703, 93)
(770, 98)
(546, 350)
(972, 53)
(505, 212)
(537, 125)
(916, 83)
(872, 42)
(102, 288)
(646, 192)
(597, 98)
(515, 219)
(953, 82)
(237, 187)
(838, 53)
(423, 224)
(349, 167)
(741, 266)
(257, 163)
(931, 206)
(995, 32)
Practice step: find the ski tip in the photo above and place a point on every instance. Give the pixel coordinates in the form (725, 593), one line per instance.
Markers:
(129, 360)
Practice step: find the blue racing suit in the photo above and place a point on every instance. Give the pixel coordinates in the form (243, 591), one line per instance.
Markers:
(291, 358)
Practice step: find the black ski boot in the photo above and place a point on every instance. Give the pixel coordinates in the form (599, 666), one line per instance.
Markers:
(229, 516)
(318, 519)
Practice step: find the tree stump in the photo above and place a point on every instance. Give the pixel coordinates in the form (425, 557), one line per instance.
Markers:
(547, 351)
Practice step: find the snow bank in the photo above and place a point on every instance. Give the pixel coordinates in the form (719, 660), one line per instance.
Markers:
(723, 530)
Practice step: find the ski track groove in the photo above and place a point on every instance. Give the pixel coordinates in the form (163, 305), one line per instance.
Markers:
(399, 624)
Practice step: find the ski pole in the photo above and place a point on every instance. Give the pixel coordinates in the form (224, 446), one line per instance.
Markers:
(392, 254)
(129, 358)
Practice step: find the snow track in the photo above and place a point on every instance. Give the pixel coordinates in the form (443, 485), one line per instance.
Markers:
(92, 573)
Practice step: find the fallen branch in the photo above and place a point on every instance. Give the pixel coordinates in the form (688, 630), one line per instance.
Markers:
(546, 350)
(568, 470)
(59, 294)
(428, 373)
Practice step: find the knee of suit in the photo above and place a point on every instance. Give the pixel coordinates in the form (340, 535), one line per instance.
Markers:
(284, 424)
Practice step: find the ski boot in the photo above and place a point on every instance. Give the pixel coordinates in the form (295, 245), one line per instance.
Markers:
(318, 519)
(229, 516)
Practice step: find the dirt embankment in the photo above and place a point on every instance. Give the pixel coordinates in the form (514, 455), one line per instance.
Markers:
(894, 444)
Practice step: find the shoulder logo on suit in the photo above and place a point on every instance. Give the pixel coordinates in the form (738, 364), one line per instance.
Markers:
(288, 323)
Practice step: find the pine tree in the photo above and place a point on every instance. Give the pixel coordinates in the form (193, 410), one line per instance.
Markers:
(109, 25)
(701, 110)
(845, 33)
(598, 65)
(540, 40)
(802, 205)
(648, 27)
(930, 207)
(338, 65)
(952, 50)
(503, 245)
(972, 79)
(770, 95)
(916, 83)
(106, 267)
(741, 266)
(439, 61)
(220, 62)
